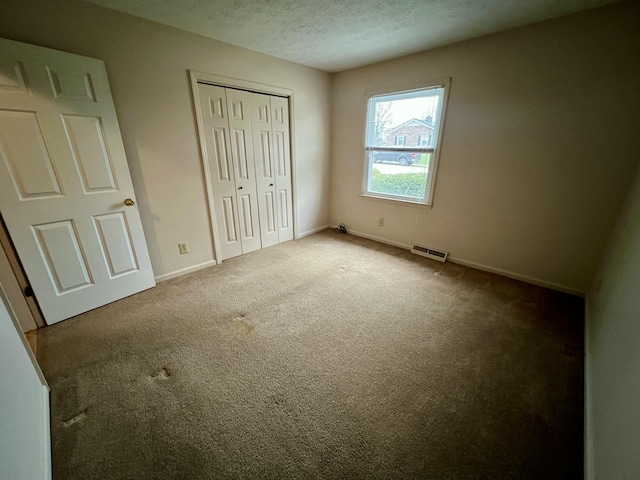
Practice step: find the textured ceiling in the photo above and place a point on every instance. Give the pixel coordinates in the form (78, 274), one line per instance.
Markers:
(335, 35)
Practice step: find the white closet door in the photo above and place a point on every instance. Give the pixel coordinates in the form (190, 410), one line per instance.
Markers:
(242, 151)
(265, 172)
(64, 179)
(282, 165)
(215, 122)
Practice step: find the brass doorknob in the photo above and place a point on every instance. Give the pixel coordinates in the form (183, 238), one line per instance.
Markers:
(129, 202)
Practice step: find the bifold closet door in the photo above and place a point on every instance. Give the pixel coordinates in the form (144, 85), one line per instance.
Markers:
(246, 137)
(282, 166)
(265, 172)
(215, 126)
(239, 105)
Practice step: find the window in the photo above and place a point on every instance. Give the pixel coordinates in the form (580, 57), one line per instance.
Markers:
(402, 139)
(426, 140)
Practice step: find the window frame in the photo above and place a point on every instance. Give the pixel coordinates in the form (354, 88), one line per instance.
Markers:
(434, 161)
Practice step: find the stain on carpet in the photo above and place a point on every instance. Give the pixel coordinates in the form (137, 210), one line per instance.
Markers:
(163, 374)
(76, 418)
(243, 325)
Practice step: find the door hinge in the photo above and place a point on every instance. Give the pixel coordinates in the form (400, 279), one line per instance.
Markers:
(28, 291)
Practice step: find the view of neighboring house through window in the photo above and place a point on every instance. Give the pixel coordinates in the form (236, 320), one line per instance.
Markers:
(401, 143)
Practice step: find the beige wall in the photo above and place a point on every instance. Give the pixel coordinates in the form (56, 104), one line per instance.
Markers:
(613, 353)
(540, 143)
(148, 64)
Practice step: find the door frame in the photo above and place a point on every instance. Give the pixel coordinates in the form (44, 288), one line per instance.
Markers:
(230, 82)
(25, 308)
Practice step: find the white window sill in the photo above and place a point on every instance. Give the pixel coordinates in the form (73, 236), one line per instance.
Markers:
(372, 196)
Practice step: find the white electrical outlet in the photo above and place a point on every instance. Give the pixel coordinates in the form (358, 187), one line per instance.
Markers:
(183, 247)
(381, 222)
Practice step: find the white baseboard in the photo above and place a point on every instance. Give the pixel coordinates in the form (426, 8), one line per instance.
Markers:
(184, 271)
(311, 232)
(479, 266)
(376, 239)
(517, 276)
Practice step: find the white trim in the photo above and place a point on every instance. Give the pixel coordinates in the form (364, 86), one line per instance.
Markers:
(589, 472)
(390, 198)
(434, 161)
(184, 271)
(376, 239)
(23, 338)
(312, 231)
(516, 276)
(479, 266)
(205, 168)
(292, 159)
(222, 81)
(46, 433)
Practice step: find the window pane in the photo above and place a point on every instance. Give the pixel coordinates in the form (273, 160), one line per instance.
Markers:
(402, 120)
(401, 174)
(401, 143)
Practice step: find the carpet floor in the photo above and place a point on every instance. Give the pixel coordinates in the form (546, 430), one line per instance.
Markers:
(328, 357)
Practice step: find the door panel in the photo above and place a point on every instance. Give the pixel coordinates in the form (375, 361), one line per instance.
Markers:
(280, 109)
(115, 243)
(74, 85)
(240, 154)
(26, 156)
(62, 168)
(61, 252)
(270, 213)
(283, 214)
(12, 75)
(217, 141)
(247, 215)
(280, 155)
(265, 179)
(220, 157)
(265, 153)
(230, 219)
(243, 153)
(87, 144)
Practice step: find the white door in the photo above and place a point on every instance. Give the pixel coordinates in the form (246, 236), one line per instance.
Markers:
(247, 154)
(239, 105)
(215, 126)
(282, 163)
(25, 448)
(64, 180)
(265, 173)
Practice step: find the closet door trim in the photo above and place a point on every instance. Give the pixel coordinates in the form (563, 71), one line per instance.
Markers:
(222, 81)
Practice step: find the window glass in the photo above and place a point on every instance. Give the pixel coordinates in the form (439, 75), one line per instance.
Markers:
(401, 142)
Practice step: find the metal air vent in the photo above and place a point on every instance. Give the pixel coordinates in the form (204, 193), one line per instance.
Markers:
(431, 253)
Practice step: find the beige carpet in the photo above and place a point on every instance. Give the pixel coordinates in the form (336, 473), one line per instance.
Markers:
(326, 357)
